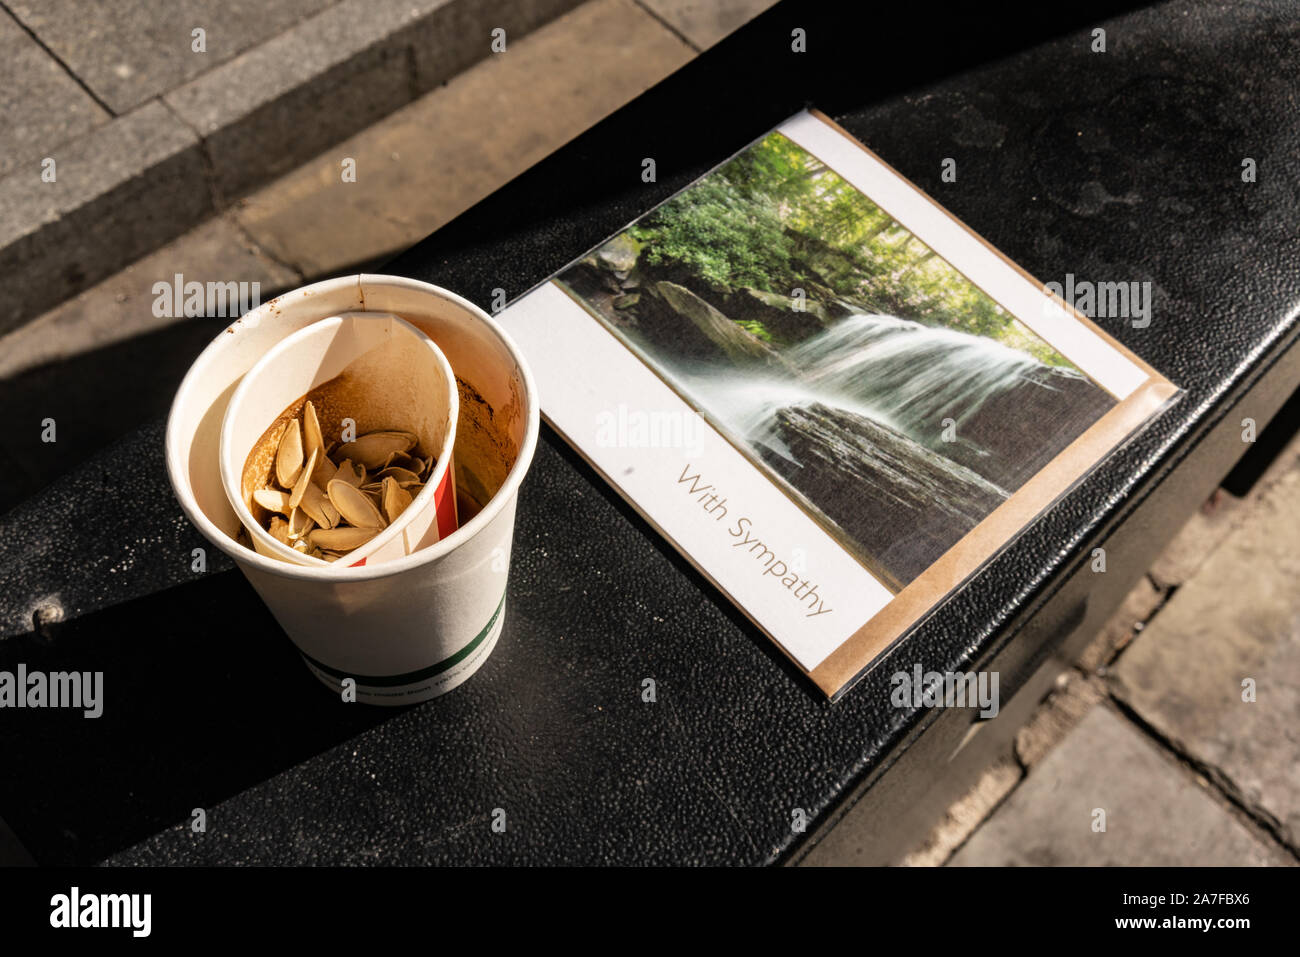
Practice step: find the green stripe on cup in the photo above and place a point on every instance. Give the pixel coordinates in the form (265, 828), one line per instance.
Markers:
(411, 677)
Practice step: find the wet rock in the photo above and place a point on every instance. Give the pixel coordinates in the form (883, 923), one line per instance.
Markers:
(619, 255)
(1015, 433)
(777, 314)
(681, 324)
(905, 504)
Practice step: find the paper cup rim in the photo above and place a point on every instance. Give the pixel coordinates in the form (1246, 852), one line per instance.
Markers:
(424, 497)
(176, 469)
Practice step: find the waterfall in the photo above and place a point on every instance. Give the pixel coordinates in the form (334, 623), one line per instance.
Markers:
(853, 419)
(902, 374)
(906, 375)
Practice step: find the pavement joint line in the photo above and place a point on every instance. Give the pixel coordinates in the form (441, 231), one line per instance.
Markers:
(59, 60)
(205, 159)
(1255, 819)
(667, 26)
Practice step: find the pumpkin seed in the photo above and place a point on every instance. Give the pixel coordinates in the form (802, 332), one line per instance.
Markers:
(348, 472)
(279, 530)
(288, 456)
(324, 471)
(273, 500)
(402, 476)
(300, 523)
(341, 539)
(304, 479)
(318, 506)
(311, 437)
(354, 505)
(373, 448)
(396, 499)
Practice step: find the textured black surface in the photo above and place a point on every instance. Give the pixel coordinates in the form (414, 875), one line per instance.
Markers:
(1116, 166)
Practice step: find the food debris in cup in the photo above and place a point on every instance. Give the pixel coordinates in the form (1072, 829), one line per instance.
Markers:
(326, 502)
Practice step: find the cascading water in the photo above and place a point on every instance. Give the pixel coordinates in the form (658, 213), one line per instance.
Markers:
(899, 373)
(907, 375)
(854, 420)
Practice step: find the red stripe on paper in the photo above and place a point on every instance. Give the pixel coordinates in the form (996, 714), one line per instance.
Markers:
(445, 503)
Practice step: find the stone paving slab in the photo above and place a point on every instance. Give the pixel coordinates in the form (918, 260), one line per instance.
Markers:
(42, 106)
(492, 122)
(121, 306)
(705, 22)
(1156, 814)
(118, 193)
(281, 103)
(243, 122)
(1237, 620)
(130, 51)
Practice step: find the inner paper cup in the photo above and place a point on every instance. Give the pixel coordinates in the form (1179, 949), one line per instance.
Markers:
(384, 374)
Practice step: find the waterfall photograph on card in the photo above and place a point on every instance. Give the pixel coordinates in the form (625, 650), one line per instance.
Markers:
(892, 399)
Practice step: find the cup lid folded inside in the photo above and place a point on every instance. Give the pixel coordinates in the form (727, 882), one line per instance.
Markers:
(344, 430)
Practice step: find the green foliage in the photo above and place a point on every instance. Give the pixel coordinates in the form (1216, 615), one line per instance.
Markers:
(725, 239)
(755, 328)
(775, 218)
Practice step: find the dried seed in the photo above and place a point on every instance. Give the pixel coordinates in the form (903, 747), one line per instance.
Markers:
(396, 499)
(341, 539)
(279, 529)
(317, 505)
(401, 459)
(273, 500)
(354, 505)
(300, 523)
(304, 479)
(373, 448)
(324, 471)
(288, 457)
(402, 476)
(311, 437)
(351, 473)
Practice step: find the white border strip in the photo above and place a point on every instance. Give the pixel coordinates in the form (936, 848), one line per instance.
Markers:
(1028, 302)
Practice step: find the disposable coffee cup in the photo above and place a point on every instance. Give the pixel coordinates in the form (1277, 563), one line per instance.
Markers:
(367, 372)
(416, 626)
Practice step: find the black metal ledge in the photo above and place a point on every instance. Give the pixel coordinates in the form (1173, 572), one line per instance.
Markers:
(1117, 166)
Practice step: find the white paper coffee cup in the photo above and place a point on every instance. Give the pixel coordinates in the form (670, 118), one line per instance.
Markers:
(414, 627)
(381, 374)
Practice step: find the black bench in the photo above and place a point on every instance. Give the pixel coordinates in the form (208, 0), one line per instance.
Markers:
(1124, 165)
